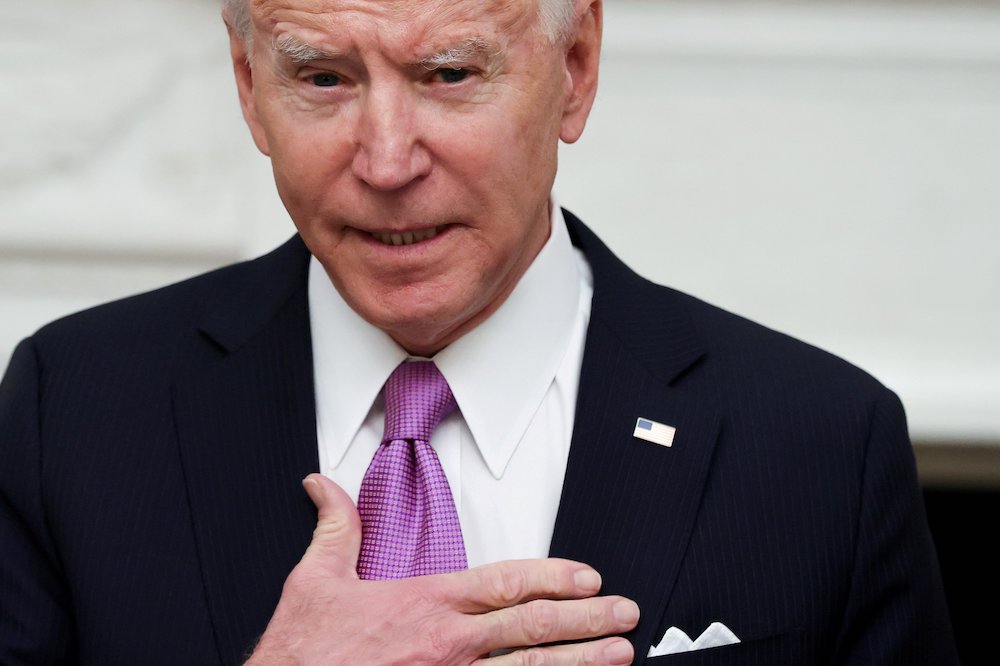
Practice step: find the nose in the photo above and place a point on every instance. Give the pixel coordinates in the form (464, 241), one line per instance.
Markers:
(389, 154)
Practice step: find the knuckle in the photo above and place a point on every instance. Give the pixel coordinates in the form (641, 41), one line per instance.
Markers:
(301, 581)
(465, 635)
(532, 657)
(423, 594)
(590, 655)
(596, 619)
(507, 585)
(295, 580)
(540, 621)
(440, 645)
(554, 580)
(444, 641)
(333, 526)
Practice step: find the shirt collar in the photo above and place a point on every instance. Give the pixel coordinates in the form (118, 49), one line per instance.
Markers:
(499, 372)
(351, 361)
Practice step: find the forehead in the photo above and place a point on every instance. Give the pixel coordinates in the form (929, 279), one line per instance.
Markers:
(399, 21)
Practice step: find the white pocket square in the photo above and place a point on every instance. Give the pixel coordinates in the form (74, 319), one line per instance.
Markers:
(675, 640)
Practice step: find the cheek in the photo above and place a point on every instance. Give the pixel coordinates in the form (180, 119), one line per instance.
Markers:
(308, 158)
(498, 153)
(301, 145)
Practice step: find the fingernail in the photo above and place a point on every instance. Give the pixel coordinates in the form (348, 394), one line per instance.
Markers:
(588, 580)
(313, 489)
(619, 652)
(626, 612)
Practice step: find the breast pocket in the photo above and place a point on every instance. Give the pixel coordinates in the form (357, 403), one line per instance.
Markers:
(778, 650)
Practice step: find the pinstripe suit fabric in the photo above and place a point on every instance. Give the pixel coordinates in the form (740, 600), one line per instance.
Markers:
(151, 453)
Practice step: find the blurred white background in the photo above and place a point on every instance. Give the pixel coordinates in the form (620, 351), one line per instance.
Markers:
(826, 168)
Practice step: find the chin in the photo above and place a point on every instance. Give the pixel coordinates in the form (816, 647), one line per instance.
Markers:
(424, 331)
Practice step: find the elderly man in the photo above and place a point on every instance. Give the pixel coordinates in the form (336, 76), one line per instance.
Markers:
(629, 473)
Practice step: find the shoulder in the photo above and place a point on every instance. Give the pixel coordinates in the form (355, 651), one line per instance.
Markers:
(762, 356)
(732, 349)
(183, 302)
(769, 383)
(151, 322)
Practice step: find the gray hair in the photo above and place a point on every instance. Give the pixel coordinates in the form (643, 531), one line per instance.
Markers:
(555, 18)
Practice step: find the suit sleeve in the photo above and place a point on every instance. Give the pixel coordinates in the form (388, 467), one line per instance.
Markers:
(896, 612)
(36, 625)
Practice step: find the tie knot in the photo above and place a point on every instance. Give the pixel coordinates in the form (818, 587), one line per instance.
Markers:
(417, 397)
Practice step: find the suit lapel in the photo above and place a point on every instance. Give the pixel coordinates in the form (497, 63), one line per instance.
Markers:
(247, 432)
(628, 506)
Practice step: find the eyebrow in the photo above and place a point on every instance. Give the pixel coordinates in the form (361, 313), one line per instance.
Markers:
(462, 53)
(468, 49)
(299, 52)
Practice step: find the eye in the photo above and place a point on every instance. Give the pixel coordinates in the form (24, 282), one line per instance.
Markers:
(453, 75)
(325, 80)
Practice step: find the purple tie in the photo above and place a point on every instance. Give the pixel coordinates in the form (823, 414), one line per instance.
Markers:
(408, 518)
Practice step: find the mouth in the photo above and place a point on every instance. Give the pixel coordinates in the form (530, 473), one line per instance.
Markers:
(406, 237)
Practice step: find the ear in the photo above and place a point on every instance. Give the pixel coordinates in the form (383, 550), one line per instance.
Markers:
(583, 56)
(244, 86)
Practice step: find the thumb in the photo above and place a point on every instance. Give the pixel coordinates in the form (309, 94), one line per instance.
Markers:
(337, 537)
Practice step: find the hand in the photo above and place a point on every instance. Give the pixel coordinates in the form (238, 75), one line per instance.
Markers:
(327, 615)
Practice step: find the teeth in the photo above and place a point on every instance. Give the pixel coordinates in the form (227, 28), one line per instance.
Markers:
(407, 237)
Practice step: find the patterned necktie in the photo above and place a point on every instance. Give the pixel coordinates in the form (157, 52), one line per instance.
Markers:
(409, 522)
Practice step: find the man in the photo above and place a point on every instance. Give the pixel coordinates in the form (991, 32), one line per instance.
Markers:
(689, 472)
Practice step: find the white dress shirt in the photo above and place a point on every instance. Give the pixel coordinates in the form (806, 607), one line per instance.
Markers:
(515, 379)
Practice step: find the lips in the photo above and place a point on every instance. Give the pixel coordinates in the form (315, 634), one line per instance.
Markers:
(406, 237)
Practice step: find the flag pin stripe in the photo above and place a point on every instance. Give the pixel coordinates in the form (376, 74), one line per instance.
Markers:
(651, 431)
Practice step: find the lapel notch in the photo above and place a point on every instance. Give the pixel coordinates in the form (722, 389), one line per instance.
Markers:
(246, 429)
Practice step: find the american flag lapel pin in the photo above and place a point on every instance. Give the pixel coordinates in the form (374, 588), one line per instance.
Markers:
(651, 431)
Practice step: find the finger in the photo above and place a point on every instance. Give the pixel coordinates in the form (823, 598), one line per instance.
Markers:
(605, 652)
(513, 582)
(546, 621)
(337, 537)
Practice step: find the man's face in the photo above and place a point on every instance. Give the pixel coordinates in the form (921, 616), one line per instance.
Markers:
(414, 145)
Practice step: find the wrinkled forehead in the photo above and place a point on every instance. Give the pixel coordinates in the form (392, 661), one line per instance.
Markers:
(397, 18)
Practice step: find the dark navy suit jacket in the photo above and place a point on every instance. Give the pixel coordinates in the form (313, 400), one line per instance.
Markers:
(151, 453)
